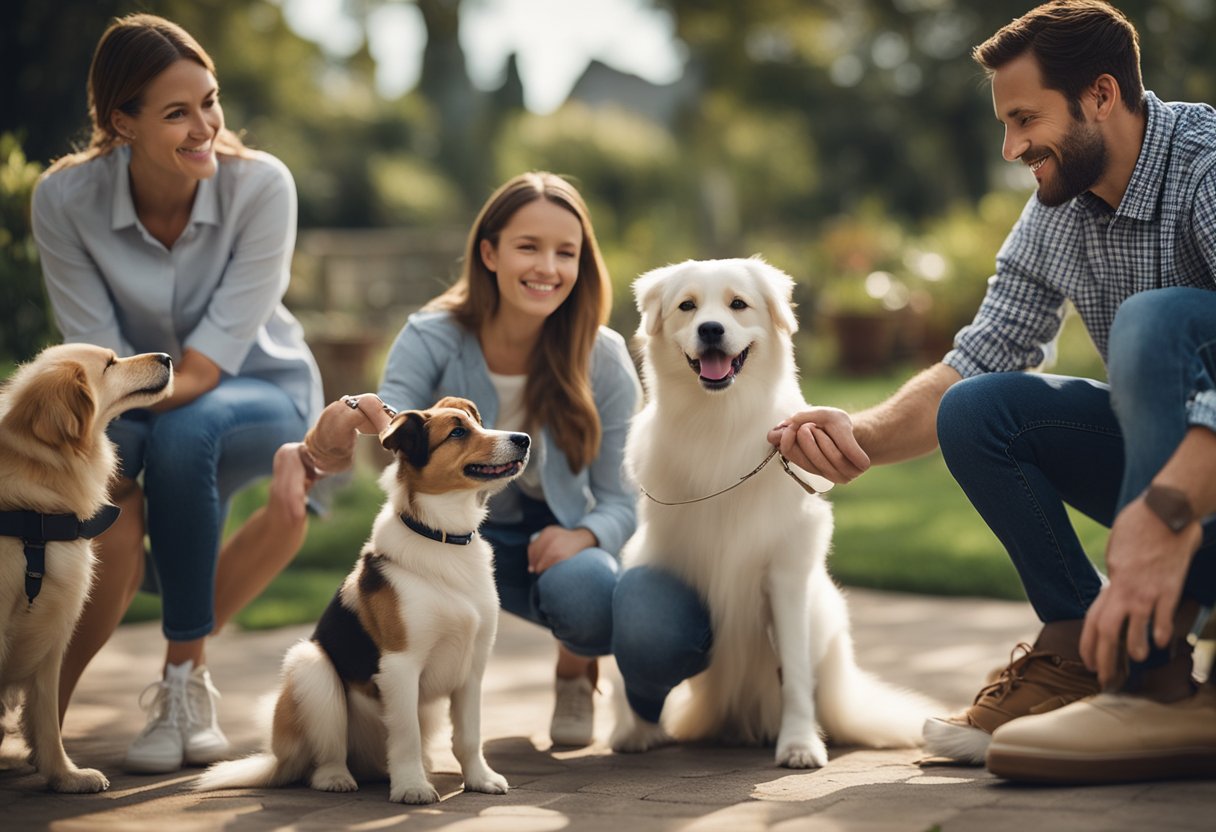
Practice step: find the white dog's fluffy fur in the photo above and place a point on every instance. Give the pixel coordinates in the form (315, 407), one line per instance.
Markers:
(409, 631)
(55, 459)
(782, 664)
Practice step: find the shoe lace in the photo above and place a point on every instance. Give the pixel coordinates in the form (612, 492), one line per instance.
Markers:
(1013, 674)
(200, 693)
(166, 707)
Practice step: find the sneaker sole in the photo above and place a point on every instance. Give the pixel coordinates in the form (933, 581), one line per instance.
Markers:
(1032, 765)
(957, 742)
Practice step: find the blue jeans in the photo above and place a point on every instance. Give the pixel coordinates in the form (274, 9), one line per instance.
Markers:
(572, 598)
(1023, 445)
(193, 459)
(661, 636)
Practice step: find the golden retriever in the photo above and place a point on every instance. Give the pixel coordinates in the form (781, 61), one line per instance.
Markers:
(55, 470)
(408, 632)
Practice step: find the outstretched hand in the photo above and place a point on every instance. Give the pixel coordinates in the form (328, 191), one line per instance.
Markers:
(821, 441)
(1148, 564)
(327, 449)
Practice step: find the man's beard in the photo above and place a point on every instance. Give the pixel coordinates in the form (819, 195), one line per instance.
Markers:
(1080, 163)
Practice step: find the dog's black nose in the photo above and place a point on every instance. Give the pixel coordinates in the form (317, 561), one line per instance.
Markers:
(164, 359)
(521, 439)
(711, 332)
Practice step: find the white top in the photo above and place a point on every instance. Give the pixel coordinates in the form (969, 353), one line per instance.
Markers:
(513, 415)
(218, 290)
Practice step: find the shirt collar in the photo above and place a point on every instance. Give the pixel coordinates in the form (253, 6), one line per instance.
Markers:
(206, 208)
(1140, 200)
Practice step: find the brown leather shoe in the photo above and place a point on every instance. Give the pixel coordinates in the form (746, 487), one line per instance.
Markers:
(1111, 738)
(1037, 679)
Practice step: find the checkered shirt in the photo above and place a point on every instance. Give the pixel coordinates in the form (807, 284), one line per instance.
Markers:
(1163, 234)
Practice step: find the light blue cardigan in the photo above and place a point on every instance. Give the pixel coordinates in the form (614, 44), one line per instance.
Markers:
(434, 356)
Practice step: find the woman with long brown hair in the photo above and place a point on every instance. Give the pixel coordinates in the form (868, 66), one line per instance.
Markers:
(521, 333)
(166, 234)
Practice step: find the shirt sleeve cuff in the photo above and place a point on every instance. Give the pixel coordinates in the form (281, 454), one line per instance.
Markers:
(225, 350)
(605, 531)
(1201, 410)
(966, 367)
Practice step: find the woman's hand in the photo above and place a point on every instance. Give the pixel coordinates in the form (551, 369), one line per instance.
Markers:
(553, 544)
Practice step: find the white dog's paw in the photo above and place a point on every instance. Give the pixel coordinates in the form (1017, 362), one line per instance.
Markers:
(802, 753)
(79, 781)
(486, 782)
(333, 779)
(636, 735)
(413, 792)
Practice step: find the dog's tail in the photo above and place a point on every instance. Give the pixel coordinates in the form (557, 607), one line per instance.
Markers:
(257, 771)
(855, 707)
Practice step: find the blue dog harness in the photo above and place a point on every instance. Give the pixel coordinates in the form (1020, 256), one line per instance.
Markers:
(36, 530)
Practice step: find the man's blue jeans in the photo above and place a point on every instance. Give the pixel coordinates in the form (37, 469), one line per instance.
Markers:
(1023, 445)
(572, 599)
(193, 459)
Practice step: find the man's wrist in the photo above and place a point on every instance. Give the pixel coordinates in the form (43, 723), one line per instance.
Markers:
(1171, 505)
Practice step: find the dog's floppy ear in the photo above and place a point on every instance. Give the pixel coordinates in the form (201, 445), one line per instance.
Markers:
(56, 407)
(777, 288)
(461, 404)
(407, 435)
(648, 291)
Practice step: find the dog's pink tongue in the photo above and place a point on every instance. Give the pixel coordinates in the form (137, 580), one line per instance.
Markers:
(715, 366)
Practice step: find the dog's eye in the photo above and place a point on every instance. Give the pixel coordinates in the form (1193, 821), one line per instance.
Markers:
(738, 303)
(457, 433)
(687, 306)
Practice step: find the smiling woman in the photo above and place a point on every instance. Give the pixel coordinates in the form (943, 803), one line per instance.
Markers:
(168, 235)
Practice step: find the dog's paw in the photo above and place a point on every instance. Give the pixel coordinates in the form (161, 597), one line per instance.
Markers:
(810, 753)
(333, 779)
(639, 736)
(487, 782)
(416, 793)
(79, 781)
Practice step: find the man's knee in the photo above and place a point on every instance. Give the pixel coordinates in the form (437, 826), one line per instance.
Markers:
(967, 409)
(1150, 332)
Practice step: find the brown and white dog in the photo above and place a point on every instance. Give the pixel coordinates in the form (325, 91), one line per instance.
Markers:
(55, 470)
(410, 629)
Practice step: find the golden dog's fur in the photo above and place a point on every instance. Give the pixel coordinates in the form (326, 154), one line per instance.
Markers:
(55, 459)
(409, 631)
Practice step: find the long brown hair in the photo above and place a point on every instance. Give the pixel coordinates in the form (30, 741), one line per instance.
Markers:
(132, 51)
(1074, 42)
(558, 392)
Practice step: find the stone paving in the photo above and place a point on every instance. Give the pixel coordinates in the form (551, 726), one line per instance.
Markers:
(943, 647)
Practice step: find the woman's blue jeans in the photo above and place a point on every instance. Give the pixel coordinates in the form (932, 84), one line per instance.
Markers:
(572, 599)
(1023, 445)
(193, 459)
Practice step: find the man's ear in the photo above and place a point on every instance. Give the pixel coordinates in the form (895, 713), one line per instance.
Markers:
(1106, 95)
(407, 436)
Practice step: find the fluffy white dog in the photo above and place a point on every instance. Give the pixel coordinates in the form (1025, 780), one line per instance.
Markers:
(719, 373)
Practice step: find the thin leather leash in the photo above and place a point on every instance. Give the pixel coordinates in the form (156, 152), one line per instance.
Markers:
(785, 464)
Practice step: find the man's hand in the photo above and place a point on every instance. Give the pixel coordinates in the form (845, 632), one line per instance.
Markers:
(554, 544)
(821, 441)
(1148, 565)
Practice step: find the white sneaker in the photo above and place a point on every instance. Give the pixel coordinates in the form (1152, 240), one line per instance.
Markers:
(158, 748)
(573, 721)
(203, 742)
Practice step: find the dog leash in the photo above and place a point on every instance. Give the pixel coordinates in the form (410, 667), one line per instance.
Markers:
(785, 464)
(36, 530)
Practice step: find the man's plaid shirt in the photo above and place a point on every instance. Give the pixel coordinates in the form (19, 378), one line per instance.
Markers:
(1163, 234)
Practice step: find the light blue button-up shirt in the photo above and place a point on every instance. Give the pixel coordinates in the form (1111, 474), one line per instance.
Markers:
(218, 290)
(435, 357)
